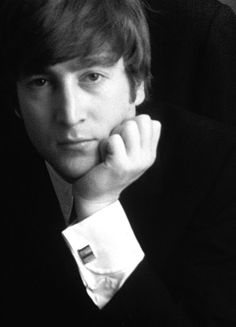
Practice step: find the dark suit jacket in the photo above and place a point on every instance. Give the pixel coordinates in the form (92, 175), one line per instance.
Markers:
(183, 211)
(194, 56)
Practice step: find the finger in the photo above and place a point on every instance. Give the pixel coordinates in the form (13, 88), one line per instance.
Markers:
(114, 150)
(144, 123)
(131, 137)
(156, 133)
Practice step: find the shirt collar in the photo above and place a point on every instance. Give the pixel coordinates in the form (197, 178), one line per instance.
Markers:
(63, 191)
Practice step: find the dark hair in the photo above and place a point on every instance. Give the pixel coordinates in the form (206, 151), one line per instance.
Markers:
(39, 33)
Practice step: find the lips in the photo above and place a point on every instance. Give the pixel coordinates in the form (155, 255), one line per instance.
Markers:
(77, 144)
(75, 141)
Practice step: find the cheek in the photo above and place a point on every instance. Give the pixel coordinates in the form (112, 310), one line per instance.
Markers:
(122, 108)
(32, 120)
(33, 108)
(116, 116)
(116, 105)
(32, 113)
(36, 124)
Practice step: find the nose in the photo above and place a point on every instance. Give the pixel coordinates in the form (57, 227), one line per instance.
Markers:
(70, 103)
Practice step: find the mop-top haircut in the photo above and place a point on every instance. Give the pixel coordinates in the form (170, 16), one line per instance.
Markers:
(41, 33)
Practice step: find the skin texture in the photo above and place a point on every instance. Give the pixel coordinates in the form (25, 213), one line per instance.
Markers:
(81, 120)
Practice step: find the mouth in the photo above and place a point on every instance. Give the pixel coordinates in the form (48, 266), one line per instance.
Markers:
(79, 144)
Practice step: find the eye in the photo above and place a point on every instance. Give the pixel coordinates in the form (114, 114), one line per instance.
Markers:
(91, 78)
(39, 82)
(94, 77)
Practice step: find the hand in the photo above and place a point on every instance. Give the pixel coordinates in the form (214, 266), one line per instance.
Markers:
(126, 154)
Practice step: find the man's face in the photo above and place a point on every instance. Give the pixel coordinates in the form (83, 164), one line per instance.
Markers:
(69, 109)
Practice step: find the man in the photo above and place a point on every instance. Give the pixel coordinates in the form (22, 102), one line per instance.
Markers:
(95, 231)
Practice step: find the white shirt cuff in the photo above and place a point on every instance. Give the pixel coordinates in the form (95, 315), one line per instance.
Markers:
(106, 251)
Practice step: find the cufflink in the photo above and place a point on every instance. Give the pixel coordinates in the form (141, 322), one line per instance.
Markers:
(86, 254)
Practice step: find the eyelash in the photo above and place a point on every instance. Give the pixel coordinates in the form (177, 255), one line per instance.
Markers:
(98, 77)
(36, 82)
(89, 79)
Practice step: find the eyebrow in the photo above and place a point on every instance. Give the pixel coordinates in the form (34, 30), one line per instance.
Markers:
(104, 59)
(100, 60)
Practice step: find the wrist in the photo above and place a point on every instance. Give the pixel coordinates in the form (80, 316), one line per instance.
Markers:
(85, 208)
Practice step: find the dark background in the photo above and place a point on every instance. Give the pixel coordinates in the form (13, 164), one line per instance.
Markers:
(194, 56)
(231, 3)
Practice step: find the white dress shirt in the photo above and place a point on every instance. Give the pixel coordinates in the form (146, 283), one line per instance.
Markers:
(103, 245)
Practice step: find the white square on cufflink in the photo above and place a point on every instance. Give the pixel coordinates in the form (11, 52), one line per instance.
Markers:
(86, 254)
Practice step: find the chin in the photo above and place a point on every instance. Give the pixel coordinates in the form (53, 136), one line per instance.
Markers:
(72, 170)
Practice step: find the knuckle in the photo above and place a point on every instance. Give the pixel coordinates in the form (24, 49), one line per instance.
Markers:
(150, 159)
(156, 132)
(129, 128)
(129, 123)
(156, 125)
(153, 157)
(143, 117)
(144, 120)
(113, 140)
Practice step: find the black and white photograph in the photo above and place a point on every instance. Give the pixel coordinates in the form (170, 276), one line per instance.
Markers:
(118, 163)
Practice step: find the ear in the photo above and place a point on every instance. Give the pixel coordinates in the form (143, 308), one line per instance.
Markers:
(140, 94)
